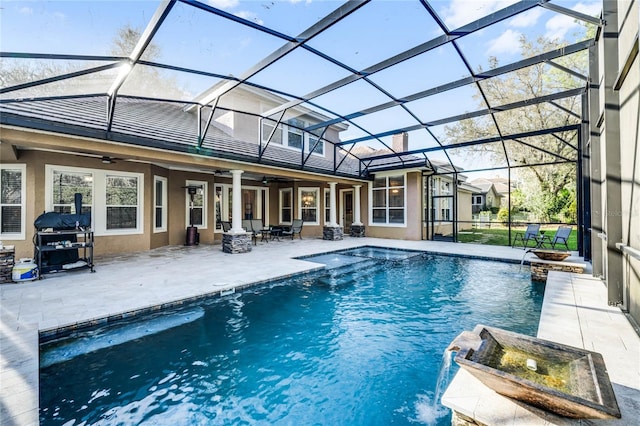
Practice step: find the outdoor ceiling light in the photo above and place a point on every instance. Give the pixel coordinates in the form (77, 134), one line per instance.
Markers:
(107, 160)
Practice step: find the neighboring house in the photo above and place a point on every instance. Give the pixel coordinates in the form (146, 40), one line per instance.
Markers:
(490, 195)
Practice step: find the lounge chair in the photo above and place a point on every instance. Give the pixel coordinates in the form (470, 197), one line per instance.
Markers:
(560, 237)
(533, 229)
(295, 228)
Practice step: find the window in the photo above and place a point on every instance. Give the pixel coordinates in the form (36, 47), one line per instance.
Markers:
(121, 201)
(113, 199)
(316, 145)
(295, 134)
(12, 201)
(160, 204)
(286, 206)
(66, 183)
(445, 211)
(294, 137)
(477, 199)
(388, 200)
(267, 128)
(196, 212)
(309, 203)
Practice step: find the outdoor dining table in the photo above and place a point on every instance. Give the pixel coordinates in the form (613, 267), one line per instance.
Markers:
(275, 231)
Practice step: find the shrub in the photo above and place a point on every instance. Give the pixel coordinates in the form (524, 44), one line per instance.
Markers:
(503, 215)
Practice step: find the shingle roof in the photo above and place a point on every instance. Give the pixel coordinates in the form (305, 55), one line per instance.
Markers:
(156, 124)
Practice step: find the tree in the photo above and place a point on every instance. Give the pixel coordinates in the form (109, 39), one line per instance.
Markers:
(142, 81)
(548, 190)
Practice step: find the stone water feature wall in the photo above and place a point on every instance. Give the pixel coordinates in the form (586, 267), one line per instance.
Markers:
(540, 269)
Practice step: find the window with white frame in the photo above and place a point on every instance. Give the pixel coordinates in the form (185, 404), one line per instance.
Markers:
(315, 145)
(113, 199)
(121, 201)
(295, 135)
(267, 129)
(12, 201)
(290, 134)
(160, 203)
(388, 200)
(68, 182)
(309, 205)
(445, 209)
(285, 206)
(196, 212)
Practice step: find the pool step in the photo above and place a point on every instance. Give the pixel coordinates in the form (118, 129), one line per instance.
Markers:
(348, 274)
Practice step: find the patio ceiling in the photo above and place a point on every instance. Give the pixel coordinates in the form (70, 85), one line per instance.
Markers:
(375, 68)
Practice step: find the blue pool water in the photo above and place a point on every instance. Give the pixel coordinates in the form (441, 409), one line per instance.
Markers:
(360, 344)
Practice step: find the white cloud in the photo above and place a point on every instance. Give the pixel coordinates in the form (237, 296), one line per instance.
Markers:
(59, 15)
(558, 26)
(527, 19)
(461, 12)
(249, 16)
(223, 4)
(25, 11)
(508, 42)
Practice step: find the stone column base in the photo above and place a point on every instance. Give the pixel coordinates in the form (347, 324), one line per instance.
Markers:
(332, 233)
(357, 231)
(236, 243)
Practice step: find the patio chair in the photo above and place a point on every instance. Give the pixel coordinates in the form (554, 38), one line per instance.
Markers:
(226, 226)
(560, 237)
(295, 228)
(531, 234)
(259, 230)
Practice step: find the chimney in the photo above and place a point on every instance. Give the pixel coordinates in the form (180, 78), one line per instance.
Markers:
(400, 142)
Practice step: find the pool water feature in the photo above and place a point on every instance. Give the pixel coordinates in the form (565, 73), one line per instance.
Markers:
(358, 344)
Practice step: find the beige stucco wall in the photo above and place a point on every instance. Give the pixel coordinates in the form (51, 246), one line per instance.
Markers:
(35, 162)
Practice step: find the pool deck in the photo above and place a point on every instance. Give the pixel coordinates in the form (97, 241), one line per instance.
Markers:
(574, 312)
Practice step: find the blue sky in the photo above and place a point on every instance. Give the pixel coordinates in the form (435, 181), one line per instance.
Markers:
(194, 39)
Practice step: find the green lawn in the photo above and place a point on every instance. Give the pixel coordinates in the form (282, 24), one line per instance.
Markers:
(500, 236)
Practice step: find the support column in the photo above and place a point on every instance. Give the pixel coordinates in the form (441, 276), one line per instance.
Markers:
(357, 227)
(612, 166)
(332, 207)
(332, 231)
(236, 201)
(237, 240)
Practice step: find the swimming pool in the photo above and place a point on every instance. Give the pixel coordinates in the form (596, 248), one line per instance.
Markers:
(358, 344)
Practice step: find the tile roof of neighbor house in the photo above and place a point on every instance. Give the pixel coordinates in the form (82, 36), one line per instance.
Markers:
(156, 124)
(500, 185)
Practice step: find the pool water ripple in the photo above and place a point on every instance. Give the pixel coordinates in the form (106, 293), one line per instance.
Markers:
(361, 348)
